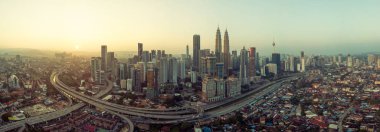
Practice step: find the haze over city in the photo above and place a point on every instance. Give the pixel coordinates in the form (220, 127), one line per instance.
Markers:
(317, 27)
(189, 66)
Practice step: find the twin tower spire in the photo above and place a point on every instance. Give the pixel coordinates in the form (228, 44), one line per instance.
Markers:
(225, 55)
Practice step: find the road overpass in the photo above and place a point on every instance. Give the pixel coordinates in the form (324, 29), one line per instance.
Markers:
(56, 114)
(167, 117)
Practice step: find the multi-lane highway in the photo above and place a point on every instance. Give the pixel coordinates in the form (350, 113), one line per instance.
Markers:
(168, 116)
(52, 115)
(41, 118)
(170, 111)
(151, 116)
(114, 107)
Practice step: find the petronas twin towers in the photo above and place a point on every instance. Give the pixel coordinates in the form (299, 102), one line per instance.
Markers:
(225, 55)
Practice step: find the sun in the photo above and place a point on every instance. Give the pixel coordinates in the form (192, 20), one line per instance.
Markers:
(77, 47)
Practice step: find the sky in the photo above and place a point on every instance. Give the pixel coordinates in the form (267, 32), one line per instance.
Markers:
(316, 27)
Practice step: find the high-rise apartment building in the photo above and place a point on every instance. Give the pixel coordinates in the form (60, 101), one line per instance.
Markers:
(96, 69)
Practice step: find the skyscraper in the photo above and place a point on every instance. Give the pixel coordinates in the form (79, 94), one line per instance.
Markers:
(153, 55)
(122, 71)
(187, 52)
(292, 64)
(173, 70)
(151, 78)
(219, 70)
(196, 50)
(218, 46)
(276, 59)
(243, 66)
(252, 62)
(235, 60)
(140, 50)
(257, 59)
(210, 66)
(303, 62)
(110, 61)
(163, 70)
(182, 69)
(104, 57)
(187, 58)
(136, 76)
(159, 55)
(227, 56)
(96, 69)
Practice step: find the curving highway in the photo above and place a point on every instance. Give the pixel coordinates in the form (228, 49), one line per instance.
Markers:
(111, 106)
(169, 111)
(53, 115)
(153, 116)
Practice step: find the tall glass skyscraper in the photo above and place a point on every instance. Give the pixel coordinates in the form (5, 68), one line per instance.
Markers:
(196, 50)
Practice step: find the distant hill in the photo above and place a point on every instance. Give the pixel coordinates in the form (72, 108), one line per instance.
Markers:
(50, 53)
(26, 52)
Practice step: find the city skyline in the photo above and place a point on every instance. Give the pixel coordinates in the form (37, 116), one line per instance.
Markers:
(318, 27)
(184, 66)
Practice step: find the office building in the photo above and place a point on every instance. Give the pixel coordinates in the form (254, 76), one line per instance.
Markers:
(137, 73)
(208, 66)
(110, 61)
(104, 57)
(218, 46)
(226, 53)
(213, 89)
(122, 71)
(219, 70)
(196, 52)
(140, 51)
(276, 59)
(252, 62)
(235, 61)
(243, 66)
(233, 87)
(151, 78)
